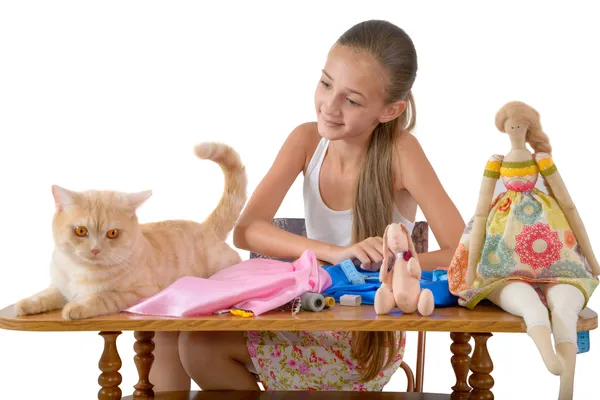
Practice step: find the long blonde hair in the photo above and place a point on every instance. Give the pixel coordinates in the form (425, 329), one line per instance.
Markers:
(374, 191)
(535, 136)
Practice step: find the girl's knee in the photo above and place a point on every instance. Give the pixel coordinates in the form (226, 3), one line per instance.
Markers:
(213, 345)
(194, 350)
(166, 338)
(201, 345)
(193, 341)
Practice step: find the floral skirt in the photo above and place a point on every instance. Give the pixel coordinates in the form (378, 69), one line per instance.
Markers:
(528, 238)
(315, 360)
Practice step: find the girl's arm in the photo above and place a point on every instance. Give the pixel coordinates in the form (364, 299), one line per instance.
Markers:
(561, 194)
(420, 180)
(254, 231)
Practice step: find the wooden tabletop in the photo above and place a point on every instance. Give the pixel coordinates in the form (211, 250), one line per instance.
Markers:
(484, 318)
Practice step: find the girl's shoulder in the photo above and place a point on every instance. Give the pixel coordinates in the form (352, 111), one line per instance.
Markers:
(408, 155)
(307, 138)
(407, 143)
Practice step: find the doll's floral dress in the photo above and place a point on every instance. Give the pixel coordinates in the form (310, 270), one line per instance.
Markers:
(528, 237)
(315, 360)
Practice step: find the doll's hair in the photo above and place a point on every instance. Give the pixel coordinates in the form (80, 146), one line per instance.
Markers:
(535, 136)
(521, 112)
(373, 197)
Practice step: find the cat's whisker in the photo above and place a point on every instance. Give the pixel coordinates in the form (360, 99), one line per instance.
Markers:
(116, 260)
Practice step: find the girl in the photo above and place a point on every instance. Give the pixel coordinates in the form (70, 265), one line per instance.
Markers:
(362, 170)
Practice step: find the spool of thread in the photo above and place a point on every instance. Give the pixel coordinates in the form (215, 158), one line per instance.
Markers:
(312, 301)
(329, 301)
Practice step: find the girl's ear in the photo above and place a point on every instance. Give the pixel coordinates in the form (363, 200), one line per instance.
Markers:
(392, 111)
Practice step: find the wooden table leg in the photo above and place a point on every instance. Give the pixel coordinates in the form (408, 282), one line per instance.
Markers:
(420, 362)
(481, 365)
(461, 360)
(143, 347)
(110, 363)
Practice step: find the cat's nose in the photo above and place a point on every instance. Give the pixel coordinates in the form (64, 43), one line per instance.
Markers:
(95, 251)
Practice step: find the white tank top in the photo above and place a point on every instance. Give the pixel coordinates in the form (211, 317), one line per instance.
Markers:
(323, 223)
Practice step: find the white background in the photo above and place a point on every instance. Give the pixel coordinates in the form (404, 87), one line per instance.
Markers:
(113, 95)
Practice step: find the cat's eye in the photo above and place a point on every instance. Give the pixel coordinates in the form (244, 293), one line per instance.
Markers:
(80, 231)
(112, 234)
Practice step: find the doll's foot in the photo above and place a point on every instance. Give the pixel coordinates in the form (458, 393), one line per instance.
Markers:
(541, 337)
(567, 353)
(426, 303)
(384, 300)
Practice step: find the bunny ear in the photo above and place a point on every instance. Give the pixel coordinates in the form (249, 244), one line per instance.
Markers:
(385, 243)
(383, 270)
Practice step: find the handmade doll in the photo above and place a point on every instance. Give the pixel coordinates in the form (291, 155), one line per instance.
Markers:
(400, 275)
(528, 251)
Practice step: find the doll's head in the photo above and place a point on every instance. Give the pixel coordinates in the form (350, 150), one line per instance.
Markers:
(518, 118)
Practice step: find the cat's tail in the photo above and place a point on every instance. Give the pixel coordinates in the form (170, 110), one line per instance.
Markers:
(223, 218)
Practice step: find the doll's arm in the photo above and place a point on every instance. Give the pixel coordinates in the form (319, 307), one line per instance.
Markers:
(414, 268)
(561, 194)
(486, 194)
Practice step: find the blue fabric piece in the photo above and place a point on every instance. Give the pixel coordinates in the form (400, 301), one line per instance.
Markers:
(436, 281)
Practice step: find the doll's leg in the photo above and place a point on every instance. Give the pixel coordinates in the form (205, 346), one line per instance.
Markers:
(521, 299)
(167, 372)
(426, 302)
(384, 299)
(565, 302)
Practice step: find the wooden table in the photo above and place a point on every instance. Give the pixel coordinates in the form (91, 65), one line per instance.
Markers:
(461, 323)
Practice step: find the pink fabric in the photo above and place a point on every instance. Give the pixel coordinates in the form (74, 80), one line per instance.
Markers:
(257, 285)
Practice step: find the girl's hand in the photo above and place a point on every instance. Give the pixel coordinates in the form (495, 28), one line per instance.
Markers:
(369, 252)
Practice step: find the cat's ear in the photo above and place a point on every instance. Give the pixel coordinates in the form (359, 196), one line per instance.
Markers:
(135, 200)
(63, 198)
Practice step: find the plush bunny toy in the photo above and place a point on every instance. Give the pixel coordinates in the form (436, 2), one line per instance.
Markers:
(528, 251)
(400, 276)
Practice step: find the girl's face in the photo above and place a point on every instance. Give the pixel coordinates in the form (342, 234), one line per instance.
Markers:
(350, 97)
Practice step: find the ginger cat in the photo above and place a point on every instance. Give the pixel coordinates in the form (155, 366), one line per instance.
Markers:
(104, 261)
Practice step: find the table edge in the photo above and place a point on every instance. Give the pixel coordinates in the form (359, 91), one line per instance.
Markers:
(248, 324)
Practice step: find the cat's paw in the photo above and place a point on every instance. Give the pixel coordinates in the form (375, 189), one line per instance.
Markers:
(31, 305)
(75, 310)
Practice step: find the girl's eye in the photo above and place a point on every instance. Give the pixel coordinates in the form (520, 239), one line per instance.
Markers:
(352, 102)
(325, 84)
